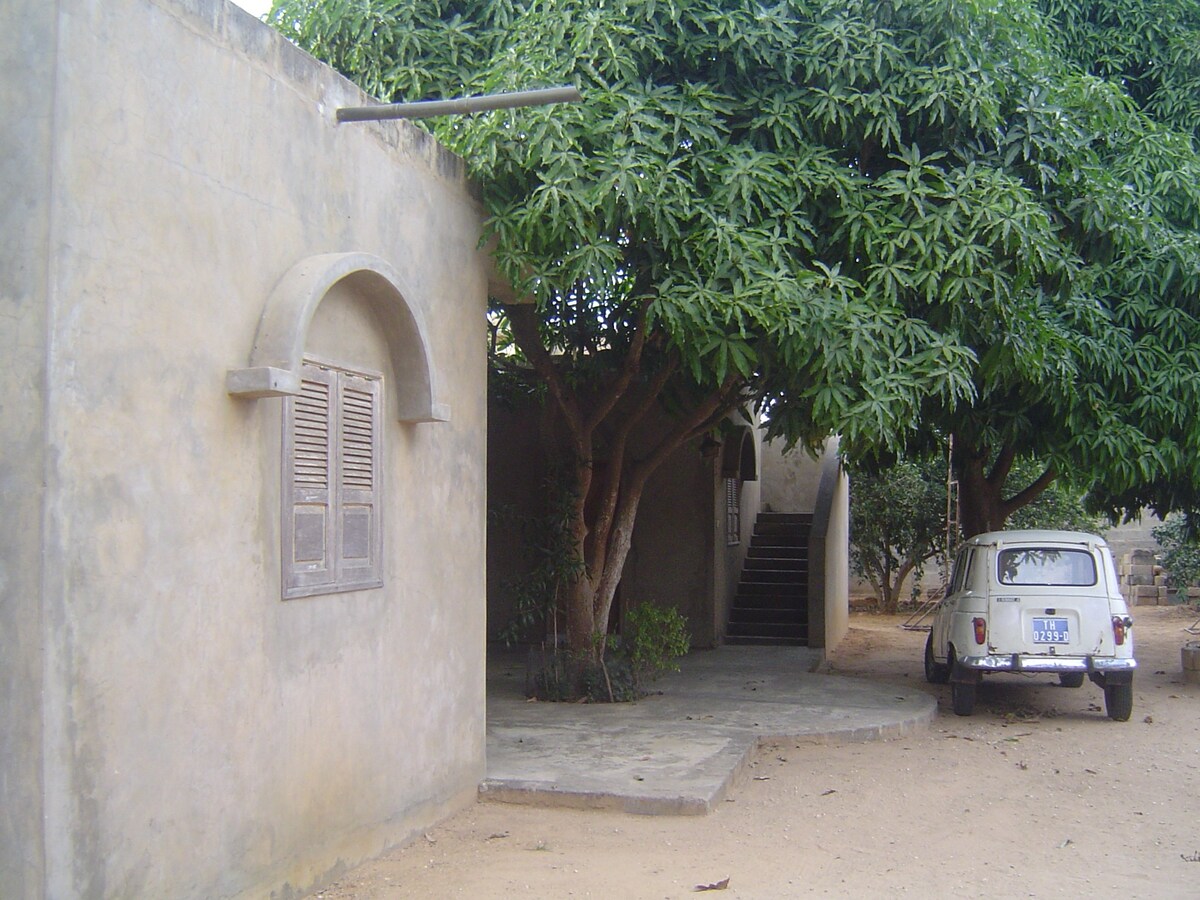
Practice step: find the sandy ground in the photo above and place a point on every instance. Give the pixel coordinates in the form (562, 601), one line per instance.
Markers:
(1036, 795)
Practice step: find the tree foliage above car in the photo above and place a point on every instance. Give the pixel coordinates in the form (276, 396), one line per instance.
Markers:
(886, 219)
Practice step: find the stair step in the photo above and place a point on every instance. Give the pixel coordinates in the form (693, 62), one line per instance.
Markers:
(769, 629)
(793, 518)
(791, 591)
(776, 564)
(742, 615)
(777, 602)
(778, 540)
(775, 552)
(774, 576)
(765, 641)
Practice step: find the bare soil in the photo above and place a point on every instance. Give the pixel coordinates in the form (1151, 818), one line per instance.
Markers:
(1036, 795)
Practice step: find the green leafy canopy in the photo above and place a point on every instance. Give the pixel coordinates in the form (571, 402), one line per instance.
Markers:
(888, 219)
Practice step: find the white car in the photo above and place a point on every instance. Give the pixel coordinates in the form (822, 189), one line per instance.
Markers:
(1035, 602)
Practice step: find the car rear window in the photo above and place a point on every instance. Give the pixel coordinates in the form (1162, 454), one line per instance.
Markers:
(1046, 566)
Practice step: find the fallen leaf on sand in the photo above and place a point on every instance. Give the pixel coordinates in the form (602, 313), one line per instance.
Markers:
(715, 886)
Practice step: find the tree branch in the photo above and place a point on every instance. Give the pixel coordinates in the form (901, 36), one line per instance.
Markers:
(630, 366)
(1003, 465)
(598, 549)
(523, 318)
(1030, 493)
(688, 427)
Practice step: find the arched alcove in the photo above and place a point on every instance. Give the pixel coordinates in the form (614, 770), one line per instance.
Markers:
(274, 368)
(738, 457)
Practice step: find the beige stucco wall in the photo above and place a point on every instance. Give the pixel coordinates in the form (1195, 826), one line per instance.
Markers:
(789, 480)
(26, 100)
(677, 552)
(172, 728)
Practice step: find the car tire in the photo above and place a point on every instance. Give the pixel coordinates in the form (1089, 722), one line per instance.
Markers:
(935, 672)
(962, 697)
(1118, 701)
(1071, 679)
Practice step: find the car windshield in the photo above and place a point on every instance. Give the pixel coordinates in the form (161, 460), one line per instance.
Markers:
(1046, 566)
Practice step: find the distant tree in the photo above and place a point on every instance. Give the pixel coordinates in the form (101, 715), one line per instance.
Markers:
(897, 524)
(898, 521)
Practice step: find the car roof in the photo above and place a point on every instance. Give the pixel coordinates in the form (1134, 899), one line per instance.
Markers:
(1036, 536)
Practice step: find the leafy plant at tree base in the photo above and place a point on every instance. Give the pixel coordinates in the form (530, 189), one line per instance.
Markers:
(653, 639)
(894, 221)
(650, 645)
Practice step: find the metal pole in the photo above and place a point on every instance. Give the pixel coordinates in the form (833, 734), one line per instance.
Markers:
(458, 107)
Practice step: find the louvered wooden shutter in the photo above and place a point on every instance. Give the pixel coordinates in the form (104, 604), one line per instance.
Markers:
(308, 453)
(733, 511)
(332, 536)
(359, 541)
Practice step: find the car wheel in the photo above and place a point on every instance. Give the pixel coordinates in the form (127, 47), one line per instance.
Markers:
(962, 697)
(1118, 701)
(935, 672)
(1071, 679)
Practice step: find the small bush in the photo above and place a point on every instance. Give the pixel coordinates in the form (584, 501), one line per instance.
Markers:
(656, 637)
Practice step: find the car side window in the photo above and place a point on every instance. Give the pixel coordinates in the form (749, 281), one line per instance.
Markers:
(962, 567)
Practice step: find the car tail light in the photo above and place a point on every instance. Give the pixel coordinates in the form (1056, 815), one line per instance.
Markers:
(981, 630)
(1120, 627)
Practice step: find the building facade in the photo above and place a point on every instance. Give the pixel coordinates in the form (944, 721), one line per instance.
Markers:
(242, 462)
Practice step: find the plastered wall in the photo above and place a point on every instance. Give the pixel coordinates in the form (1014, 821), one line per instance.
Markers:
(172, 727)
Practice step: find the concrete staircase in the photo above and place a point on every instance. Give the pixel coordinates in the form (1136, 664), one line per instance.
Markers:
(771, 605)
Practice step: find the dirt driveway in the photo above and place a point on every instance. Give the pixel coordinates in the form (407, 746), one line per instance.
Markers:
(1036, 795)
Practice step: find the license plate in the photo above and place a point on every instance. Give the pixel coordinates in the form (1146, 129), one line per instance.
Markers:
(1051, 631)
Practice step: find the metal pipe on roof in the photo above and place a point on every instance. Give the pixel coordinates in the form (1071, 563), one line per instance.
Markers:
(460, 106)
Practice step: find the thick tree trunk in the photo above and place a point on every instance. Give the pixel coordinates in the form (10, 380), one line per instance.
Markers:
(982, 506)
(606, 504)
(892, 601)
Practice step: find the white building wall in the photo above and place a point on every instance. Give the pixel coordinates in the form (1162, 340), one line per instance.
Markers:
(177, 729)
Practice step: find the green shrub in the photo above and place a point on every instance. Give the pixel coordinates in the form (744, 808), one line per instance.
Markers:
(655, 638)
(1180, 551)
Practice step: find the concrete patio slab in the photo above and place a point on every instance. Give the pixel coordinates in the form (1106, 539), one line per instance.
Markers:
(678, 750)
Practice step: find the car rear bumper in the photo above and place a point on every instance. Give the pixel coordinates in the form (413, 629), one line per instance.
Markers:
(1017, 662)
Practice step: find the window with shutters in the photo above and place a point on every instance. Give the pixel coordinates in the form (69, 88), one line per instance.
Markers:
(733, 511)
(331, 482)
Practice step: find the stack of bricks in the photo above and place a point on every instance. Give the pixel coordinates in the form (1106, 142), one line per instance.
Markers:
(1142, 579)
(1144, 583)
